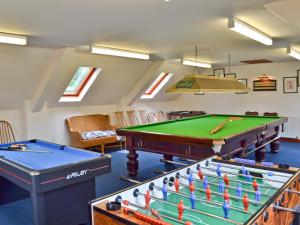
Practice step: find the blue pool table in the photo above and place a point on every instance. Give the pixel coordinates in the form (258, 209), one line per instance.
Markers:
(60, 180)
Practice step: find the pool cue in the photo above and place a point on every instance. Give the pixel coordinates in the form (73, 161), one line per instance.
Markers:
(130, 180)
(173, 162)
(25, 150)
(221, 125)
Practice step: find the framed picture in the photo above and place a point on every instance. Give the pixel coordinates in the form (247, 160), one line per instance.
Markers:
(290, 85)
(220, 72)
(265, 84)
(298, 77)
(230, 75)
(245, 82)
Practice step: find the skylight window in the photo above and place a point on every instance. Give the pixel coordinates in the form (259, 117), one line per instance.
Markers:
(157, 85)
(80, 84)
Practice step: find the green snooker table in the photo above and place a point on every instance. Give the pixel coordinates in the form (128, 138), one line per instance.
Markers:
(191, 138)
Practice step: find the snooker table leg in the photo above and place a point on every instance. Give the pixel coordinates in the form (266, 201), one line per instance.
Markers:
(168, 157)
(275, 145)
(132, 163)
(260, 153)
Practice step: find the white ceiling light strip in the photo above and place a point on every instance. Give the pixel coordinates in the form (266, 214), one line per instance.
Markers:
(119, 52)
(249, 31)
(189, 62)
(293, 53)
(13, 39)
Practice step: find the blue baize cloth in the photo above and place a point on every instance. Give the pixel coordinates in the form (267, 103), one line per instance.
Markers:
(97, 134)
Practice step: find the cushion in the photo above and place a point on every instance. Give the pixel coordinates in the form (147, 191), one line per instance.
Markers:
(97, 134)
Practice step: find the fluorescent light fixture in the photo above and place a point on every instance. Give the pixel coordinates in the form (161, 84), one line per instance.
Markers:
(13, 39)
(249, 31)
(119, 52)
(293, 53)
(195, 63)
(157, 85)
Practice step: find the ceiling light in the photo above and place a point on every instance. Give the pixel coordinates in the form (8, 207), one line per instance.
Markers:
(249, 31)
(119, 52)
(293, 53)
(207, 84)
(13, 39)
(195, 63)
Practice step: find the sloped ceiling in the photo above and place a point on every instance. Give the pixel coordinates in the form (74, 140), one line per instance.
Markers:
(116, 79)
(20, 72)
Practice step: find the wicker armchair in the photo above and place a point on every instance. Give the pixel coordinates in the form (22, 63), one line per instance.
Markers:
(6, 133)
(79, 124)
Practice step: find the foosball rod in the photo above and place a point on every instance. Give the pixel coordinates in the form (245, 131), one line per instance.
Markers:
(200, 199)
(238, 174)
(241, 181)
(211, 183)
(280, 208)
(159, 188)
(190, 209)
(233, 188)
(211, 175)
(149, 210)
(293, 191)
(143, 217)
(220, 194)
(249, 169)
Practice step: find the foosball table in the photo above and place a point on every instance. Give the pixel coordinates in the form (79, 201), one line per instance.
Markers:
(210, 192)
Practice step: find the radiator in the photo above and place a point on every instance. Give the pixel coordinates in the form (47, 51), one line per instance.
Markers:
(290, 128)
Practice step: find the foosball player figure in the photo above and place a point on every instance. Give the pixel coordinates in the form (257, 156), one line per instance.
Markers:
(147, 199)
(205, 183)
(165, 192)
(255, 185)
(192, 187)
(218, 170)
(239, 191)
(221, 186)
(180, 209)
(226, 195)
(200, 174)
(226, 179)
(176, 184)
(226, 208)
(208, 193)
(246, 203)
(257, 195)
(193, 200)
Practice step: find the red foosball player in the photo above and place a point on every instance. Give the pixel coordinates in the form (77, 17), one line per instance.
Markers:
(255, 185)
(176, 184)
(192, 187)
(200, 174)
(226, 179)
(180, 209)
(226, 195)
(208, 193)
(147, 200)
(246, 203)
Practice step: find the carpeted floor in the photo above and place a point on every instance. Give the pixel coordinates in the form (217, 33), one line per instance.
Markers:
(19, 213)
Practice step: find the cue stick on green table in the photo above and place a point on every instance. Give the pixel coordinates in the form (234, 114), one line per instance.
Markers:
(221, 125)
(25, 150)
